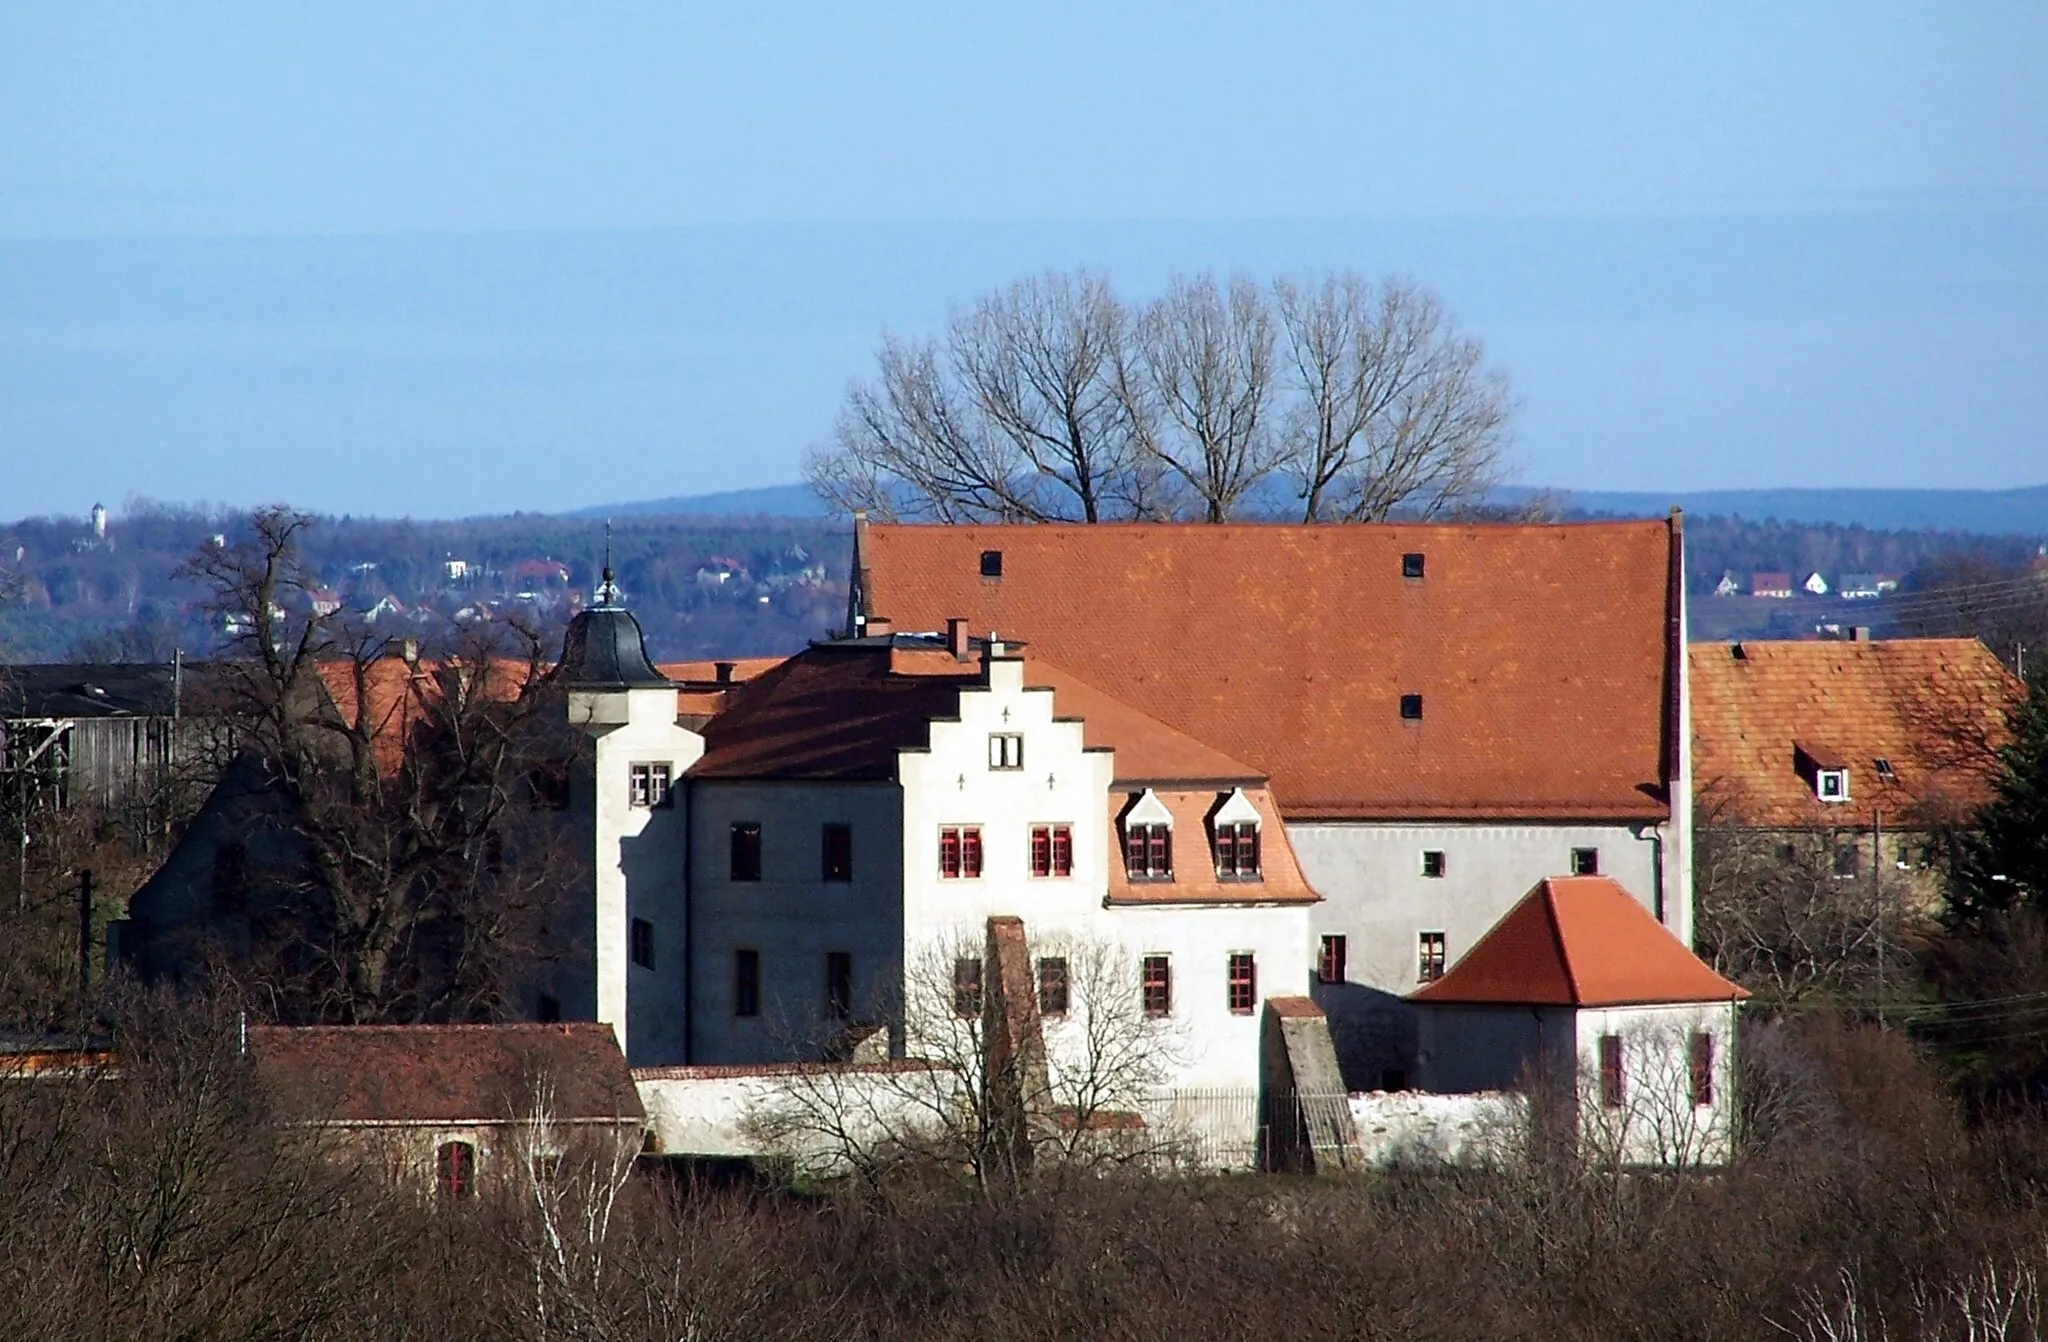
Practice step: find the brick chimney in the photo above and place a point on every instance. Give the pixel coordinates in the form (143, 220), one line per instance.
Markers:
(957, 639)
(878, 626)
(724, 670)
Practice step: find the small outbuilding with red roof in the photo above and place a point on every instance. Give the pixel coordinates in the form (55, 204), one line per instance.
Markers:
(1580, 992)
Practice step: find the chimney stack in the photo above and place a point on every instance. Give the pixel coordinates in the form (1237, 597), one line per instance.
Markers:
(878, 626)
(957, 639)
(725, 670)
(1859, 633)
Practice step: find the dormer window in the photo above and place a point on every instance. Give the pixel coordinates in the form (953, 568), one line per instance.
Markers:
(1411, 566)
(1236, 826)
(1411, 708)
(991, 563)
(1831, 784)
(1825, 770)
(1148, 839)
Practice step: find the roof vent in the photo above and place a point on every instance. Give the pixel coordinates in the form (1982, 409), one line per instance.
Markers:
(1738, 652)
(991, 563)
(1411, 566)
(1411, 707)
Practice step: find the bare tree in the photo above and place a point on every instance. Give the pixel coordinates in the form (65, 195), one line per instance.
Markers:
(1392, 407)
(1054, 400)
(412, 874)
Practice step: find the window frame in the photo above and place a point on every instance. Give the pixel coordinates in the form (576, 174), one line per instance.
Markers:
(1241, 979)
(1435, 857)
(455, 1170)
(746, 982)
(1145, 842)
(960, 852)
(1831, 786)
(1234, 838)
(1006, 752)
(1585, 862)
(842, 872)
(640, 943)
(1411, 708)
(1613, 1072)
(1051, 852)
(650, 784)
(1700, 1069)
(970, 987)
(839, 985)
(1432, 954)
(1055, 987)
(1155, 985)
(1332, 956)
(745, 838)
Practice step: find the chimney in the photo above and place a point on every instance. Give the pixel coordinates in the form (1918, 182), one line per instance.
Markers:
(878, 626)
(1859, 633)
(724, 671)
(957, 639)
(410, 651)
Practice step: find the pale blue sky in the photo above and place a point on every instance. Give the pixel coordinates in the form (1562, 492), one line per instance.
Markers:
(402, 258)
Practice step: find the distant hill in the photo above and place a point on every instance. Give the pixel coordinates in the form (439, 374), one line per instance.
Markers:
(1984, 512)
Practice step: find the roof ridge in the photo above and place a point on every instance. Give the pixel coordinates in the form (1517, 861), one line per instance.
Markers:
(1558, 942)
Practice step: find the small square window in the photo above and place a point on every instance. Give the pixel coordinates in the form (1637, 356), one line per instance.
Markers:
(1411, 566)
(1330, 961)
(1244, 983)
(746, 850)
(643, 943)
(1432, 862)
(1832, 784)
(648, 784)
(1585, 861)
(1005, 750)
(837, 853)
(967, 987)
(1429, 948)
(746, 983)
(1155, 986)
(1411, 708)
(991, 563)
(1052, 986)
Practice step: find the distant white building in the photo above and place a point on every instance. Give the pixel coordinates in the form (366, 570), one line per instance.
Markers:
(1815, 584)
(1727, 586)
(99, 522)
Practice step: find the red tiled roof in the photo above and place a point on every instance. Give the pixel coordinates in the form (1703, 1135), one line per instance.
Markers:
(843, 711)
(444, 1073)
(1544, 654)
(1578, 941)
(1932, 708)
(1194, 867)
(395, 688)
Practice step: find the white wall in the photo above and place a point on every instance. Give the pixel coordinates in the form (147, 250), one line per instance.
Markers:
(1657, 1123)
(792, 916)
(1407, 1128)
(735, 1112)
(638, 856)
(1203, 1043)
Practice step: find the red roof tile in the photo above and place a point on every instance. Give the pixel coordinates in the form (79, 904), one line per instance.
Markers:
(1932, 708)
(1544, 654)
(444, 1073)
(1578, 941)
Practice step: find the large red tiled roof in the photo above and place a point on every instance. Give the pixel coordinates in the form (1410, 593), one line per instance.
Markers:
(1578, 941)
(1932, 708)
(1545, 655)
(444, 1073)
(844, 710)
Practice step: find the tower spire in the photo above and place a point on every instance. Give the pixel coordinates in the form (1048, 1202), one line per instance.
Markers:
(607, 590)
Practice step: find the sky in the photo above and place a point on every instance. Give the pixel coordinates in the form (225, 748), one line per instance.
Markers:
(451, 259)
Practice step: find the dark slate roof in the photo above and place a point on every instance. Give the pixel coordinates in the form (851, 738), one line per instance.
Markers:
(86, 690)
(444, 1073)
(604, 650)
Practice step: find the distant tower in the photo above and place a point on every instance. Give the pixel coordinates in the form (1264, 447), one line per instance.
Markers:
(99, 521)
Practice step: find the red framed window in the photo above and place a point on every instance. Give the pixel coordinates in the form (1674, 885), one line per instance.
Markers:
(967, 986)
(1237, 850)
(1613, 1079)
(959, 852)
(1429, 956)
(1244, 983)
(1148, 852)
(1330, 961)
(1155, 985)
(1702, 1060)
(455, 1171)
(1052, 986)
(1052, 850)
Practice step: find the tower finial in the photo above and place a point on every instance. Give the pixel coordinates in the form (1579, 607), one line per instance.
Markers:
(607, 589)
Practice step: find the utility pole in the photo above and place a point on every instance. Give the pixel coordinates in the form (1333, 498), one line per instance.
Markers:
(85, 935)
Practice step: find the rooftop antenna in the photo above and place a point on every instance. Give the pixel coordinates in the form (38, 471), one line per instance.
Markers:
(607, 590)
